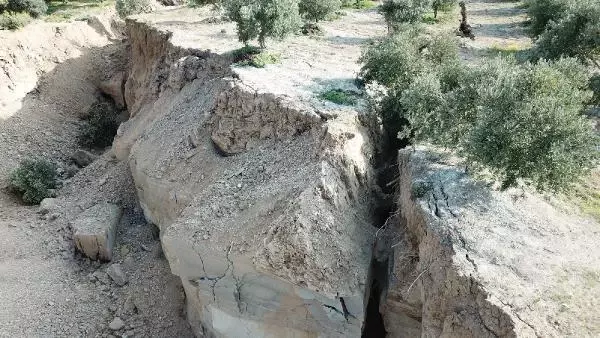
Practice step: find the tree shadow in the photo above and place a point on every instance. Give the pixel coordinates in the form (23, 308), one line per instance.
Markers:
(348, 40)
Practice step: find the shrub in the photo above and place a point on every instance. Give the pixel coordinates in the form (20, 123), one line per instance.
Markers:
(542, 12)
(396, 12)
(339, 96)
(526, 124)
(126, 8)
(254, 56)
(395, 60)
(530, 125)
(100, 126)
(34, 180)
(13, 21)
(316, 10)
(398, 59)
(441, 5)
(196, 3)
(263, 18)
(575, 34)
(595, 87)
(35, 8)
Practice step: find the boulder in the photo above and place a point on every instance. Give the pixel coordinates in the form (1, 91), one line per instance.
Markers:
(114, 87)
(94, 230)
(83, 158)
(47, 205)
(116, 274)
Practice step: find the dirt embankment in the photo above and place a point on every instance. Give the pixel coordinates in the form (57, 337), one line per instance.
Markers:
(261, 249)
(51, 73)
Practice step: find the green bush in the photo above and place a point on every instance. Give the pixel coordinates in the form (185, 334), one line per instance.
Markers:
(263, 19)
(442, 5)
(35, 8)
(254, 56)
(530, 124)
(542, 12)
(34, 180)
(396, 60)
(340, 96)
(575, 34)
(595, 87)
(14, 21)
(196, 3)
(126, 8)
(100, 126)
(525, 125)
(396, 12)
(316, 10)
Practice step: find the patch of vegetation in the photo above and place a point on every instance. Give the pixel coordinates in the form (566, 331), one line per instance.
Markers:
(34, 180)
(35, 8)
(262, 19)
(254, 56)
(317, 10)
(595, 87)
(59, 10)
(311, 29)
(542, 12)
(442, 5)
(126, 8)
(359, 4)
(100, 126)
(525, 126)
(397, 12)
(14, 21)
(198, 3)
(340, 96)
(565, 28)
(421, 188)
(586, 195)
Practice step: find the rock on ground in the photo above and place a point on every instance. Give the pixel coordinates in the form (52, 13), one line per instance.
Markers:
(115, 272)
(94, 231)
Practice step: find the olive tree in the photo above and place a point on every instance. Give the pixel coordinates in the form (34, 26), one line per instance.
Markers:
(525, 125)
(439, 5)
(316, 10)
(263, 19)
(396, 12)
(575, 34)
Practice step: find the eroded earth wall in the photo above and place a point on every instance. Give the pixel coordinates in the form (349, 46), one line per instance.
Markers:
(265, 207)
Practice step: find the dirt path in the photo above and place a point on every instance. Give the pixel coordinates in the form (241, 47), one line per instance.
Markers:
(46, 289)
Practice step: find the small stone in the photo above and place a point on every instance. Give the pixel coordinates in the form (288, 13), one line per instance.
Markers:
(83, 158)
(53, 217)
(116, 274)
(116, 324)
(47, 205)
(145, 248)
(205, 237)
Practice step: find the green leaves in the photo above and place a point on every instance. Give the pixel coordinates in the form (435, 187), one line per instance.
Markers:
(523, 122)
(34, 179)
(566, 29)
(263, 18)
(316, 10)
